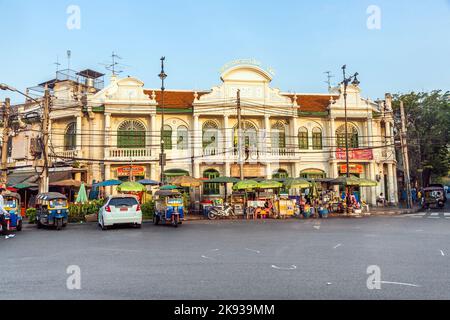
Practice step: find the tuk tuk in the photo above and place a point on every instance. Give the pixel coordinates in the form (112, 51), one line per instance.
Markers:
(12, 205)
(52, 210)
(434, 197)
(169, 207)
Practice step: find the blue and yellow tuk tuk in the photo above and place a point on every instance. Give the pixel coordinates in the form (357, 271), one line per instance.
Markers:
(169, 208)
(52, 210)
(12, 205)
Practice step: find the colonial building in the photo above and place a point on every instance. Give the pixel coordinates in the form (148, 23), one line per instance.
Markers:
(115, 132)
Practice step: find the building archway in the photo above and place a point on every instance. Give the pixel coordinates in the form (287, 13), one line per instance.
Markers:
(211, 188)
(313, 174)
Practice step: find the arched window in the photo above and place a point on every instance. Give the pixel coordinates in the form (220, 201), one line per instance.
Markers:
(182, 138)
(303, 139)
(210, 135)
(249, 135)
(279, 135)
(131, 134)
(317, 139)
(352, 136)
(211, 188)
(167, 137)
(280, 174)
(70, 137)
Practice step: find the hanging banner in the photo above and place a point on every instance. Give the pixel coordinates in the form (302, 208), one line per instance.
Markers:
(136, 171)
(354, 154)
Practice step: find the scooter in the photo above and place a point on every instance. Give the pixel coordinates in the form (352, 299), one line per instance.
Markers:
(222, 212)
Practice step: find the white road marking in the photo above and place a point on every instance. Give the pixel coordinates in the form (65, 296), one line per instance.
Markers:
(205, 257)
(317, 227)
(337, 246)
(255, 251)
(447, 214)
(399, 283)
(293, 267)
(435, 214)
(442, 253)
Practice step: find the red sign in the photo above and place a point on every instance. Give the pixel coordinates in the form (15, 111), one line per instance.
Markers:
(354, 168)
(354, 154)
(138, 171)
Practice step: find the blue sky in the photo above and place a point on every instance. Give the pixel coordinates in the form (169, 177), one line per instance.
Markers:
(298, 39)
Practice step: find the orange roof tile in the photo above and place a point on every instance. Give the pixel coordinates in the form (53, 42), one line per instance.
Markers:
(313, 103)
(175, 99)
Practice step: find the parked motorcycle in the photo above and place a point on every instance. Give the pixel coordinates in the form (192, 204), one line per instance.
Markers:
(221, 212)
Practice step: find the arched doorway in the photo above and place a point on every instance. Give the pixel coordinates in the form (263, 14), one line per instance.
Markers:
(211, 188)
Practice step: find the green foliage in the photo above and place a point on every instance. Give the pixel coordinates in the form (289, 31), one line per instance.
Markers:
(31, 215)
(428, 124)
(148, 209)
(78, 212)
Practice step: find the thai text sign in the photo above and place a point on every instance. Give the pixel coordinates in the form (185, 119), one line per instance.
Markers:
(354, 168)
(354, 154)
(135, 171)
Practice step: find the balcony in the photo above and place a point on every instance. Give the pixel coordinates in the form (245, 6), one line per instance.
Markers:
(67, 155)
(126, 154)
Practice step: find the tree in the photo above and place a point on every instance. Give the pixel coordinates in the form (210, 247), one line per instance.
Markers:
(428, 138)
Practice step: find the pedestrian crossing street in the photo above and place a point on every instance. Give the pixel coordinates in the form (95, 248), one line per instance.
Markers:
(429, 215)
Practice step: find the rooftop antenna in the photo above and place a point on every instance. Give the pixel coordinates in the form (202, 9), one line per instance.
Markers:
(113, 66)
(69, 55)
(329, 77)
(57, 64)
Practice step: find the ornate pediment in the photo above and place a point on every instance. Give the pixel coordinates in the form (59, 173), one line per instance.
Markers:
(127, 90)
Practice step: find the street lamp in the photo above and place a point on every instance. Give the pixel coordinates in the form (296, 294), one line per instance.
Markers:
(354, 81)
(6, 87)
(162, 156)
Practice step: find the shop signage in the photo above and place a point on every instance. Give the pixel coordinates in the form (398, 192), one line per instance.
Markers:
(354, 154)
(354, 168)
(251, 170)
(136, 171)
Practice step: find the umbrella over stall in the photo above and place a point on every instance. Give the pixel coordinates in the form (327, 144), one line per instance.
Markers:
(224, 181)
(82, 195)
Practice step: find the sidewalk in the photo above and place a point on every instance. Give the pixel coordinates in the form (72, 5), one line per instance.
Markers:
(390, 211)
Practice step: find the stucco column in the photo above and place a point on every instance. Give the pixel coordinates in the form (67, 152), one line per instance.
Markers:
(331, 141)
(390, 178)
(107, 135)
(226, 134)
(370, 131)
(267, 141)
(394, 166)
(388, 134)
(268, 171)
(373, 191)
(108, 190)
(79, 135)
(197, 145)
(155, 136)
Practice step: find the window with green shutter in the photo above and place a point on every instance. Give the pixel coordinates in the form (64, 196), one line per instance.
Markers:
(303, 139)
(131, 135)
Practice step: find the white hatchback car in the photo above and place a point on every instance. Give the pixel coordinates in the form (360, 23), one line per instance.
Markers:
(120, 209)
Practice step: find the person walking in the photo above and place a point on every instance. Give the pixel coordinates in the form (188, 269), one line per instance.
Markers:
(3, 215)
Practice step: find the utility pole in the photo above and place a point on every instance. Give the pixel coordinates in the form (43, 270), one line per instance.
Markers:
(239, 113)
(405, 155)
(43, 185)
(6, 112)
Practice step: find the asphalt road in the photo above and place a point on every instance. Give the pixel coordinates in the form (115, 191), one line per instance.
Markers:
(295, 259)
